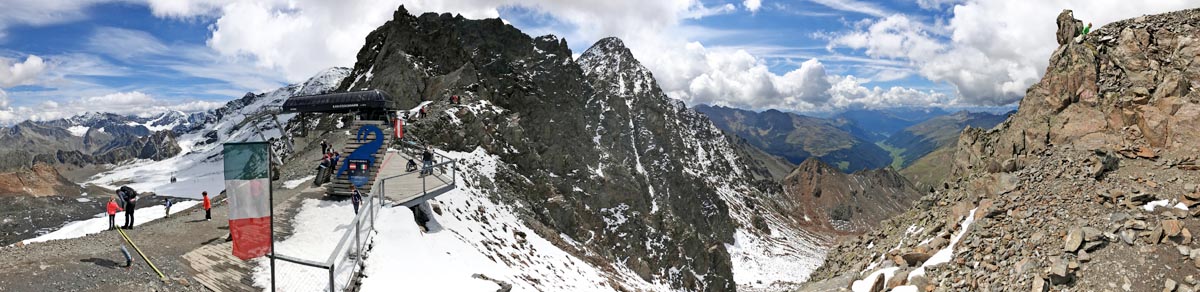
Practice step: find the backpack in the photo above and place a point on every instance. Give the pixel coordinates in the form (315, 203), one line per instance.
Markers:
(128, 194)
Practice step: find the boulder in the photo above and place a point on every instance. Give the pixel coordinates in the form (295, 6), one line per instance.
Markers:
(1068, 27)
(1039, 285)
(1172, 227)
(913, 259)
(1073, 240)
(878, 285)
(1059, 273)
(899, 279)
(1092, 234)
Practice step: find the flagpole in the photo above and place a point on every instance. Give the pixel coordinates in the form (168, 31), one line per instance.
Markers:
(271, 202)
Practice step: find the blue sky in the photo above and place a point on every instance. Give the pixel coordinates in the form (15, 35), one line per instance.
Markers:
(59, 58)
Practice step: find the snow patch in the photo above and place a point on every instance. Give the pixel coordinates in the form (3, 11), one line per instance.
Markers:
(78, 131)
(292, 184)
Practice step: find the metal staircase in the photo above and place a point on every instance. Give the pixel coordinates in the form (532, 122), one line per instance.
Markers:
(340, 185)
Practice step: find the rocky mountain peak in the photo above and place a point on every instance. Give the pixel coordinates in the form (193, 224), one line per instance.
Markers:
(609, 59)
(843, 203)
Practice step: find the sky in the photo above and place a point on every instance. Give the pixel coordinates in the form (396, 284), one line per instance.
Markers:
(60, 58)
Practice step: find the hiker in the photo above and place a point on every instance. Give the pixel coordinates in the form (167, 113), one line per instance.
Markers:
(112, 212)
(324, 147)
(422, 115)
(207, 207)
(427, 158)
(454, 99)
(355, 198)
(128, 257)
(167, 203)
(130, 205)
(1086, 29)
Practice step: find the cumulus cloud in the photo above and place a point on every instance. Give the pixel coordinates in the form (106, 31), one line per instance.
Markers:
(14, 73)
(300, 38)
(123, 103)
(989, 50)
(752, 5)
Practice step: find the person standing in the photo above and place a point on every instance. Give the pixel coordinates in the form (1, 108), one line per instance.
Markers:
(427, 159)
(324, 147)
(167, 203)
(355, 198)
(113, 207)
(207, 207)
(130, 206)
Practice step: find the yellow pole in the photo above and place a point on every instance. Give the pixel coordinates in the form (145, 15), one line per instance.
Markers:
(139, 251)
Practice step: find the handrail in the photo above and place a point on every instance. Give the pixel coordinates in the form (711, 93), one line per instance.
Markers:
(299, 261)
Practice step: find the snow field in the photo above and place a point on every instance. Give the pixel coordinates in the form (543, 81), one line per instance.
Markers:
(99, 224)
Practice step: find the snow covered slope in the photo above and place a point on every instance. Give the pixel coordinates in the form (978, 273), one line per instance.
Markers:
(198, 167)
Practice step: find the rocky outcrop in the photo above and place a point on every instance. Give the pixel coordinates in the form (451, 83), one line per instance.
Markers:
(1091, 185)
(39, 181)
(1124, 86)
(839, 203)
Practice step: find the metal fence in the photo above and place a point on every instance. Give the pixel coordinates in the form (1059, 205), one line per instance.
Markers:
(442, 179)
(339, 271)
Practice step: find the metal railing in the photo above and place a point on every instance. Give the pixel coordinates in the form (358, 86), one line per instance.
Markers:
(346, 260)
(444, 175)
(345, 263)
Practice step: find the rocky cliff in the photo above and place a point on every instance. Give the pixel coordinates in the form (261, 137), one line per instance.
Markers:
(839, 203)
(1091, 185)
(593, 153)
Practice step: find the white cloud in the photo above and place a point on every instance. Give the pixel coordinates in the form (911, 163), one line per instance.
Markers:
(124, 43)
(936, 4)
(752, 5)
(14, 73)
(42, 12)
(854, 6)
(849, 91)
(989, 50)
(123, 103)
(3, 99)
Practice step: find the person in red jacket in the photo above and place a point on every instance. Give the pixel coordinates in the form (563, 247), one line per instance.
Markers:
(112, 212)
(207, 207)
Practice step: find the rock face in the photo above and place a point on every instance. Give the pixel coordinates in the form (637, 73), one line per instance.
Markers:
(39, 181)
(593, 151)
(1090, 184)
(797, 138)
(1127, 85)
(841, 203)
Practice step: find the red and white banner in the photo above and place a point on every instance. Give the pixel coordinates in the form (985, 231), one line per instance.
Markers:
(247, 187)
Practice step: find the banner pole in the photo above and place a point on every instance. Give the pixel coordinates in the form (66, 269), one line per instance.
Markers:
(271, 202)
